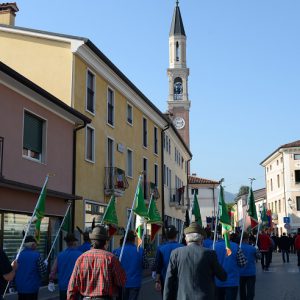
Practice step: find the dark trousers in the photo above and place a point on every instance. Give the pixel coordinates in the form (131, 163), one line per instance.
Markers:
(298, 254)
(131, 293)
(33, 296)
(247, 287)
(227, 293)
(285, 253)
(62, 295)
(265, 260)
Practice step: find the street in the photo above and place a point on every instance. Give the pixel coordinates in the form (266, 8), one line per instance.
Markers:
(281, 282)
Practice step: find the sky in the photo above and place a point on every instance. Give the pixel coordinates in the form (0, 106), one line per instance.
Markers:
(244, 66)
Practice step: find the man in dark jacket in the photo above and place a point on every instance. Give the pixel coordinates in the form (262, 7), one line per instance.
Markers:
(191, 269)
(284, 244)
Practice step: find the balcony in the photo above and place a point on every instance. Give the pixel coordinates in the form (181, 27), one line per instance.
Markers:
(177, 196)
(1, 154)
(115, 182)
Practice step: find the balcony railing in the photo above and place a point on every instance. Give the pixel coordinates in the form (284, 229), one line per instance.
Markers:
(115, 181)
(1, 154)
(177, 196)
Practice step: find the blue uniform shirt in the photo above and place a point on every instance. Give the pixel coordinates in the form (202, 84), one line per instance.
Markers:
(250, 253)
(207, 243)
(163, 256)
(65, 265)
(86, 246)
(132, 263)
(28, 277)
(229, 264)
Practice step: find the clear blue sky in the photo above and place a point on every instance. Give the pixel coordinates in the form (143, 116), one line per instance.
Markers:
(244, 69)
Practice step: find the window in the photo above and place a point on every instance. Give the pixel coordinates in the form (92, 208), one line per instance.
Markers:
(167, 142)
(90, 144)
(170, 178)
(281, 159)
(129, 114)
(110, 152)
(278, 181)
(129, 169)
(33, 136)
(156, 175)
(145, 169)
(279, 206)
(275, 206)
(165, 175)
(90, 92)
(110, 107)
(145, 137)
(155, 140)
(298, 203)
(297, 176)
(296, 156)
(270, 167)
(169, 146)
(177, 51)
(271, 184)
(277, 162)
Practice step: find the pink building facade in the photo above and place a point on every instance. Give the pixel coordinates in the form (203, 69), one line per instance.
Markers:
(37, 134)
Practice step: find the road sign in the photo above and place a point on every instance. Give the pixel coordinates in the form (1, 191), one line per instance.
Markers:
(287, 220)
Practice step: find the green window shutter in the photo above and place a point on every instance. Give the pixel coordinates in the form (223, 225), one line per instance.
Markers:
(33, 133)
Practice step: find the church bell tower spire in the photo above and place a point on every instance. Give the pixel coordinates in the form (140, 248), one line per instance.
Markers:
(178, 101)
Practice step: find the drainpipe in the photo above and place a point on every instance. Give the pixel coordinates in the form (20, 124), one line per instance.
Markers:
(284, 191)
(187, 182)
(74, 169)
(163, 176)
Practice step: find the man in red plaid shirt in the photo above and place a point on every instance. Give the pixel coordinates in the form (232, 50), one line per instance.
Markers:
(97, 273)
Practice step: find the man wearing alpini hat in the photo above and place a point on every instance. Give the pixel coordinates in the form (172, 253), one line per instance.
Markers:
(97, 273)
(191, 269)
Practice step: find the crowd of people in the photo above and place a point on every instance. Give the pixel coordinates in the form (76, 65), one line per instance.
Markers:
(195, 269)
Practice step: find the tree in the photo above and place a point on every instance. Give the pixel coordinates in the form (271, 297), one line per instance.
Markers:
(244, 190)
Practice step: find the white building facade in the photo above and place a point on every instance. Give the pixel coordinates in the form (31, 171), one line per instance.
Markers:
(282, 172)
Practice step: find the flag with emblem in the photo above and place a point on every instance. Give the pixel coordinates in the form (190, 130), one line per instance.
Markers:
(252, 209)
(196, 210)
(154, 218)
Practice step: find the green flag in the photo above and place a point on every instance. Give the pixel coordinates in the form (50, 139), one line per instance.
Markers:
(40, 212)
(252, 209)
(224, 220)
(140, 207)
(110, 215)
(153, 213)
(196, 210)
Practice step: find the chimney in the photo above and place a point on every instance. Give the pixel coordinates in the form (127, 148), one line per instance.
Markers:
(8, 13)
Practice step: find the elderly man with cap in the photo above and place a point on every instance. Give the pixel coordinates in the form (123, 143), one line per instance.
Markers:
(163, 255)
(191, 269)
(133, 261)
(97, 273)
(31, 269)
(64, 265)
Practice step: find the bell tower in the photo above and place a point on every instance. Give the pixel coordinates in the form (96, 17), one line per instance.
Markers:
(178, 102)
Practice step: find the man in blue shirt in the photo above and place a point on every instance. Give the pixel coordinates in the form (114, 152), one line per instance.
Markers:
(133, 261)
(248, 273)
(163, 256)
(228, 290)
(31, 269)
(64, 265)
(86, 246)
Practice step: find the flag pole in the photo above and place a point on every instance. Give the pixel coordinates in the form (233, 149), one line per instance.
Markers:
(217, 217)
(258, 228)
(130, 216)
(247, 204)
(27, 229)
(59, 229)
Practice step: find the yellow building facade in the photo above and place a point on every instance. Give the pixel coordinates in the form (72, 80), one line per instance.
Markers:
(124, 137)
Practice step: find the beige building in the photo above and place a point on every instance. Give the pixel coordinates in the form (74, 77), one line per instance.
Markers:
(207, 193)
(282, 172)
